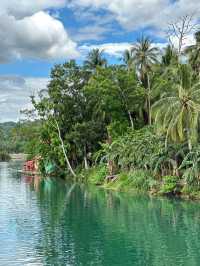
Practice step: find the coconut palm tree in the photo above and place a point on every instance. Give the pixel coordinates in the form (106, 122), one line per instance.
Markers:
(170, 56)
(144, 56)
(128, 59)
(193, 52)
(177, 115)
(95, 59)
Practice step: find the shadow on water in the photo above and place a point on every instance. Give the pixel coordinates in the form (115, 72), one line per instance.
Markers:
(74, 224)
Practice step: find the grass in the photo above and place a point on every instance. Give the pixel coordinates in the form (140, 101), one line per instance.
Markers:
(141, 181)
(96, 175)
(134, 180)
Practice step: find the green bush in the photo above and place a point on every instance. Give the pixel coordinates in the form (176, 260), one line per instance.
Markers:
(140, 179)
(122, 182)
(137, 180)
(97, 175)
(191, 167)
(191, 191)
(135, 149)
(169, 185)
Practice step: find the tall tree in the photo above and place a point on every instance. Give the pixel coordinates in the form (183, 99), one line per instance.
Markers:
(128, 59)
(94, 59)
(144, 56)
(179, 30)
(115, 95)
(170, 56)
(177, 114)
(60, 108)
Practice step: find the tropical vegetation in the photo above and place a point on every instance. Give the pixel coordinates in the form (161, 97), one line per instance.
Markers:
(133, 125)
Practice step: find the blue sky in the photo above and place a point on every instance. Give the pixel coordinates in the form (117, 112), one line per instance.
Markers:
(36, 34)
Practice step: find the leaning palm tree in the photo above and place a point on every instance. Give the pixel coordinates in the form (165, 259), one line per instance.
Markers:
(144, 56)
(95, 59)
(177, 115)
(193, 52)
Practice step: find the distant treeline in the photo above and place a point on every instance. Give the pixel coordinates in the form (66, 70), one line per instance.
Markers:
(15, 137)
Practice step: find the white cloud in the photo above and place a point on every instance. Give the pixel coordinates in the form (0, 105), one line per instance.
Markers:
(189, 40)
(94, 25)
(113, 49)
(15, 94)
(91, 32)
(22, 8)
(135, 14)
(38, 36)
(29, 30)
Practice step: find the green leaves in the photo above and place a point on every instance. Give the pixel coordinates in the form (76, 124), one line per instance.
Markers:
(144, 56)
(134, 150)
(95, 59)
(191, 167)
(115, 95)
(193, 53)
(176, 114)
(169, 185)
(95, 104)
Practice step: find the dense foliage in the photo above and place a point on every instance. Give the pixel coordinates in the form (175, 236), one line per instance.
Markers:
(7, 140)
(17, 137)
(140, 118)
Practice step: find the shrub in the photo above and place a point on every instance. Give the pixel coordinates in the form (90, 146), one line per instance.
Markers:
(169, 185)
(97, 175)
(133, 150)
(140, 179)
(191, 167)
(122, 182)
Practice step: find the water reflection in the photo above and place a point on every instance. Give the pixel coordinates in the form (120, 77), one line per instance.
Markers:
(51, 222)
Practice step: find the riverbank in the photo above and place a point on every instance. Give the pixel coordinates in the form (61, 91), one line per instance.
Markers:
(143, 182)
(140, 181)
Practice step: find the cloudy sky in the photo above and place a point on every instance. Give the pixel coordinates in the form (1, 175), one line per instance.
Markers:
(35, 34)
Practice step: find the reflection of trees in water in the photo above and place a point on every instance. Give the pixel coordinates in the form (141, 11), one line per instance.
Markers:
(153, 229)
(160, 230)
(53, 198)
(84, 225)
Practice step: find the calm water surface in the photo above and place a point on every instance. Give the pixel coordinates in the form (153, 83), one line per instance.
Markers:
(49, 222)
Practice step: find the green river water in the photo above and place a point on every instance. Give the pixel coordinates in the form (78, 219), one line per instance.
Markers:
(49, 222)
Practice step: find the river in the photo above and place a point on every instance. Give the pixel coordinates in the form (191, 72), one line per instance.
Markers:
(51, 222)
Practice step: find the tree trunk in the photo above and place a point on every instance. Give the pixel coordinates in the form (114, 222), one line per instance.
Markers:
(188, 133)
(149, 100)
(124, 97)
(110, 162)
(131, 119)
(64, 152)
(189, 140)
(85, 162)
(85, 158)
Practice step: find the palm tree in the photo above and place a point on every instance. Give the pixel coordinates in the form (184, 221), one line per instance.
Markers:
(128, 59)
(170, 56)
(177, 115)
(144, 56)
(193, 52)
(95, 59)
